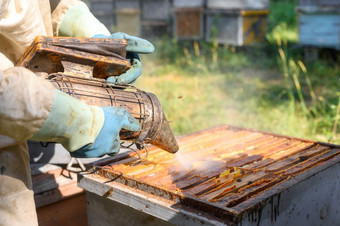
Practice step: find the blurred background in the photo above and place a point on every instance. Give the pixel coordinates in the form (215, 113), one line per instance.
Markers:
(271, 65)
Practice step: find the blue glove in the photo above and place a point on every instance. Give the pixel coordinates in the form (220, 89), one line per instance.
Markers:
(84, 130)
(107, 141)
(135, 45)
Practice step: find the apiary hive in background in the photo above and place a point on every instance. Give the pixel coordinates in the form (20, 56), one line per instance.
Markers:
(240, 22)
(188, 19)
(236, 27)
(319, 23)
(319, 3)
(103, 10)
(156, 10)
(238, 4)
(128, 16)
(156, 18)
(232, 22)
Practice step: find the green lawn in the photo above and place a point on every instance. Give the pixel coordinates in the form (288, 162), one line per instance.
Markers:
(265, 87)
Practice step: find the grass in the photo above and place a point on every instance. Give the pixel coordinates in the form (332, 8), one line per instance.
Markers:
(267, 87)
(282, 21)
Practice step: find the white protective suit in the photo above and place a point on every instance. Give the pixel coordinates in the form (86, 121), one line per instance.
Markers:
(25, 100)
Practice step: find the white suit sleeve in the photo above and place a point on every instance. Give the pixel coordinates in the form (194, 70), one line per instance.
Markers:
(21, 21)
(25, 102)
(60, 11)
(5, 63)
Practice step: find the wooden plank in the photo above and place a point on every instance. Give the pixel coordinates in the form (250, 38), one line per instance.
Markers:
(188, 23)
(238, 27)
(319, 3)
(102, 6)
(188, 3)
(128, 21)
(158, 10)
(319, 29)
(127, 4)
(254, 27)
(39, 168)
(227, 27)
(238, 4)
(71, 211)
(255, 12)
(52, 179)
(57, 194)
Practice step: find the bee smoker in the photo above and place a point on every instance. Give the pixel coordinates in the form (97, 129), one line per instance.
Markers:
(79, 67)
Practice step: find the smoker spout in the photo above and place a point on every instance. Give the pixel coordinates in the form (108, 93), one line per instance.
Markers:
(160, 133)
(165, 138)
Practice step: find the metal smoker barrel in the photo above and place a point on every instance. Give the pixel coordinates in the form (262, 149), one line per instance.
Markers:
(143, 106)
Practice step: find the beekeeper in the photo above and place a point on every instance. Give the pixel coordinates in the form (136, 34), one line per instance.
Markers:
(30, 107)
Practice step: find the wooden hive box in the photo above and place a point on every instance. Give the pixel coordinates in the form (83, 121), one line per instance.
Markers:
(128, 16)
(221, 176)
(188, 19)
(127, 4)
(103, 10)
(319, 3)
(188, 3)
(238, 4)
(236, 27)
(156, 18)
(188, 23)
(319, 26)
(156, 10)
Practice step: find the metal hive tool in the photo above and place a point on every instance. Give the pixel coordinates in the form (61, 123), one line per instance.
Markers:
(231, 169)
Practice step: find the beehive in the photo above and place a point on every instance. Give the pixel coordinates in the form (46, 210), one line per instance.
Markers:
(128, 16)
(188, 19)
(225, 176)
(238, 4)
(240, 27)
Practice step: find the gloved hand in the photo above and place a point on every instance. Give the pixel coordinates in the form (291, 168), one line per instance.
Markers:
(135, 45)
(85, 131)
(80, 22)
(107, 141)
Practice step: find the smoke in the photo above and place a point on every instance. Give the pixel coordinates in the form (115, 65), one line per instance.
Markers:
(195, 162)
